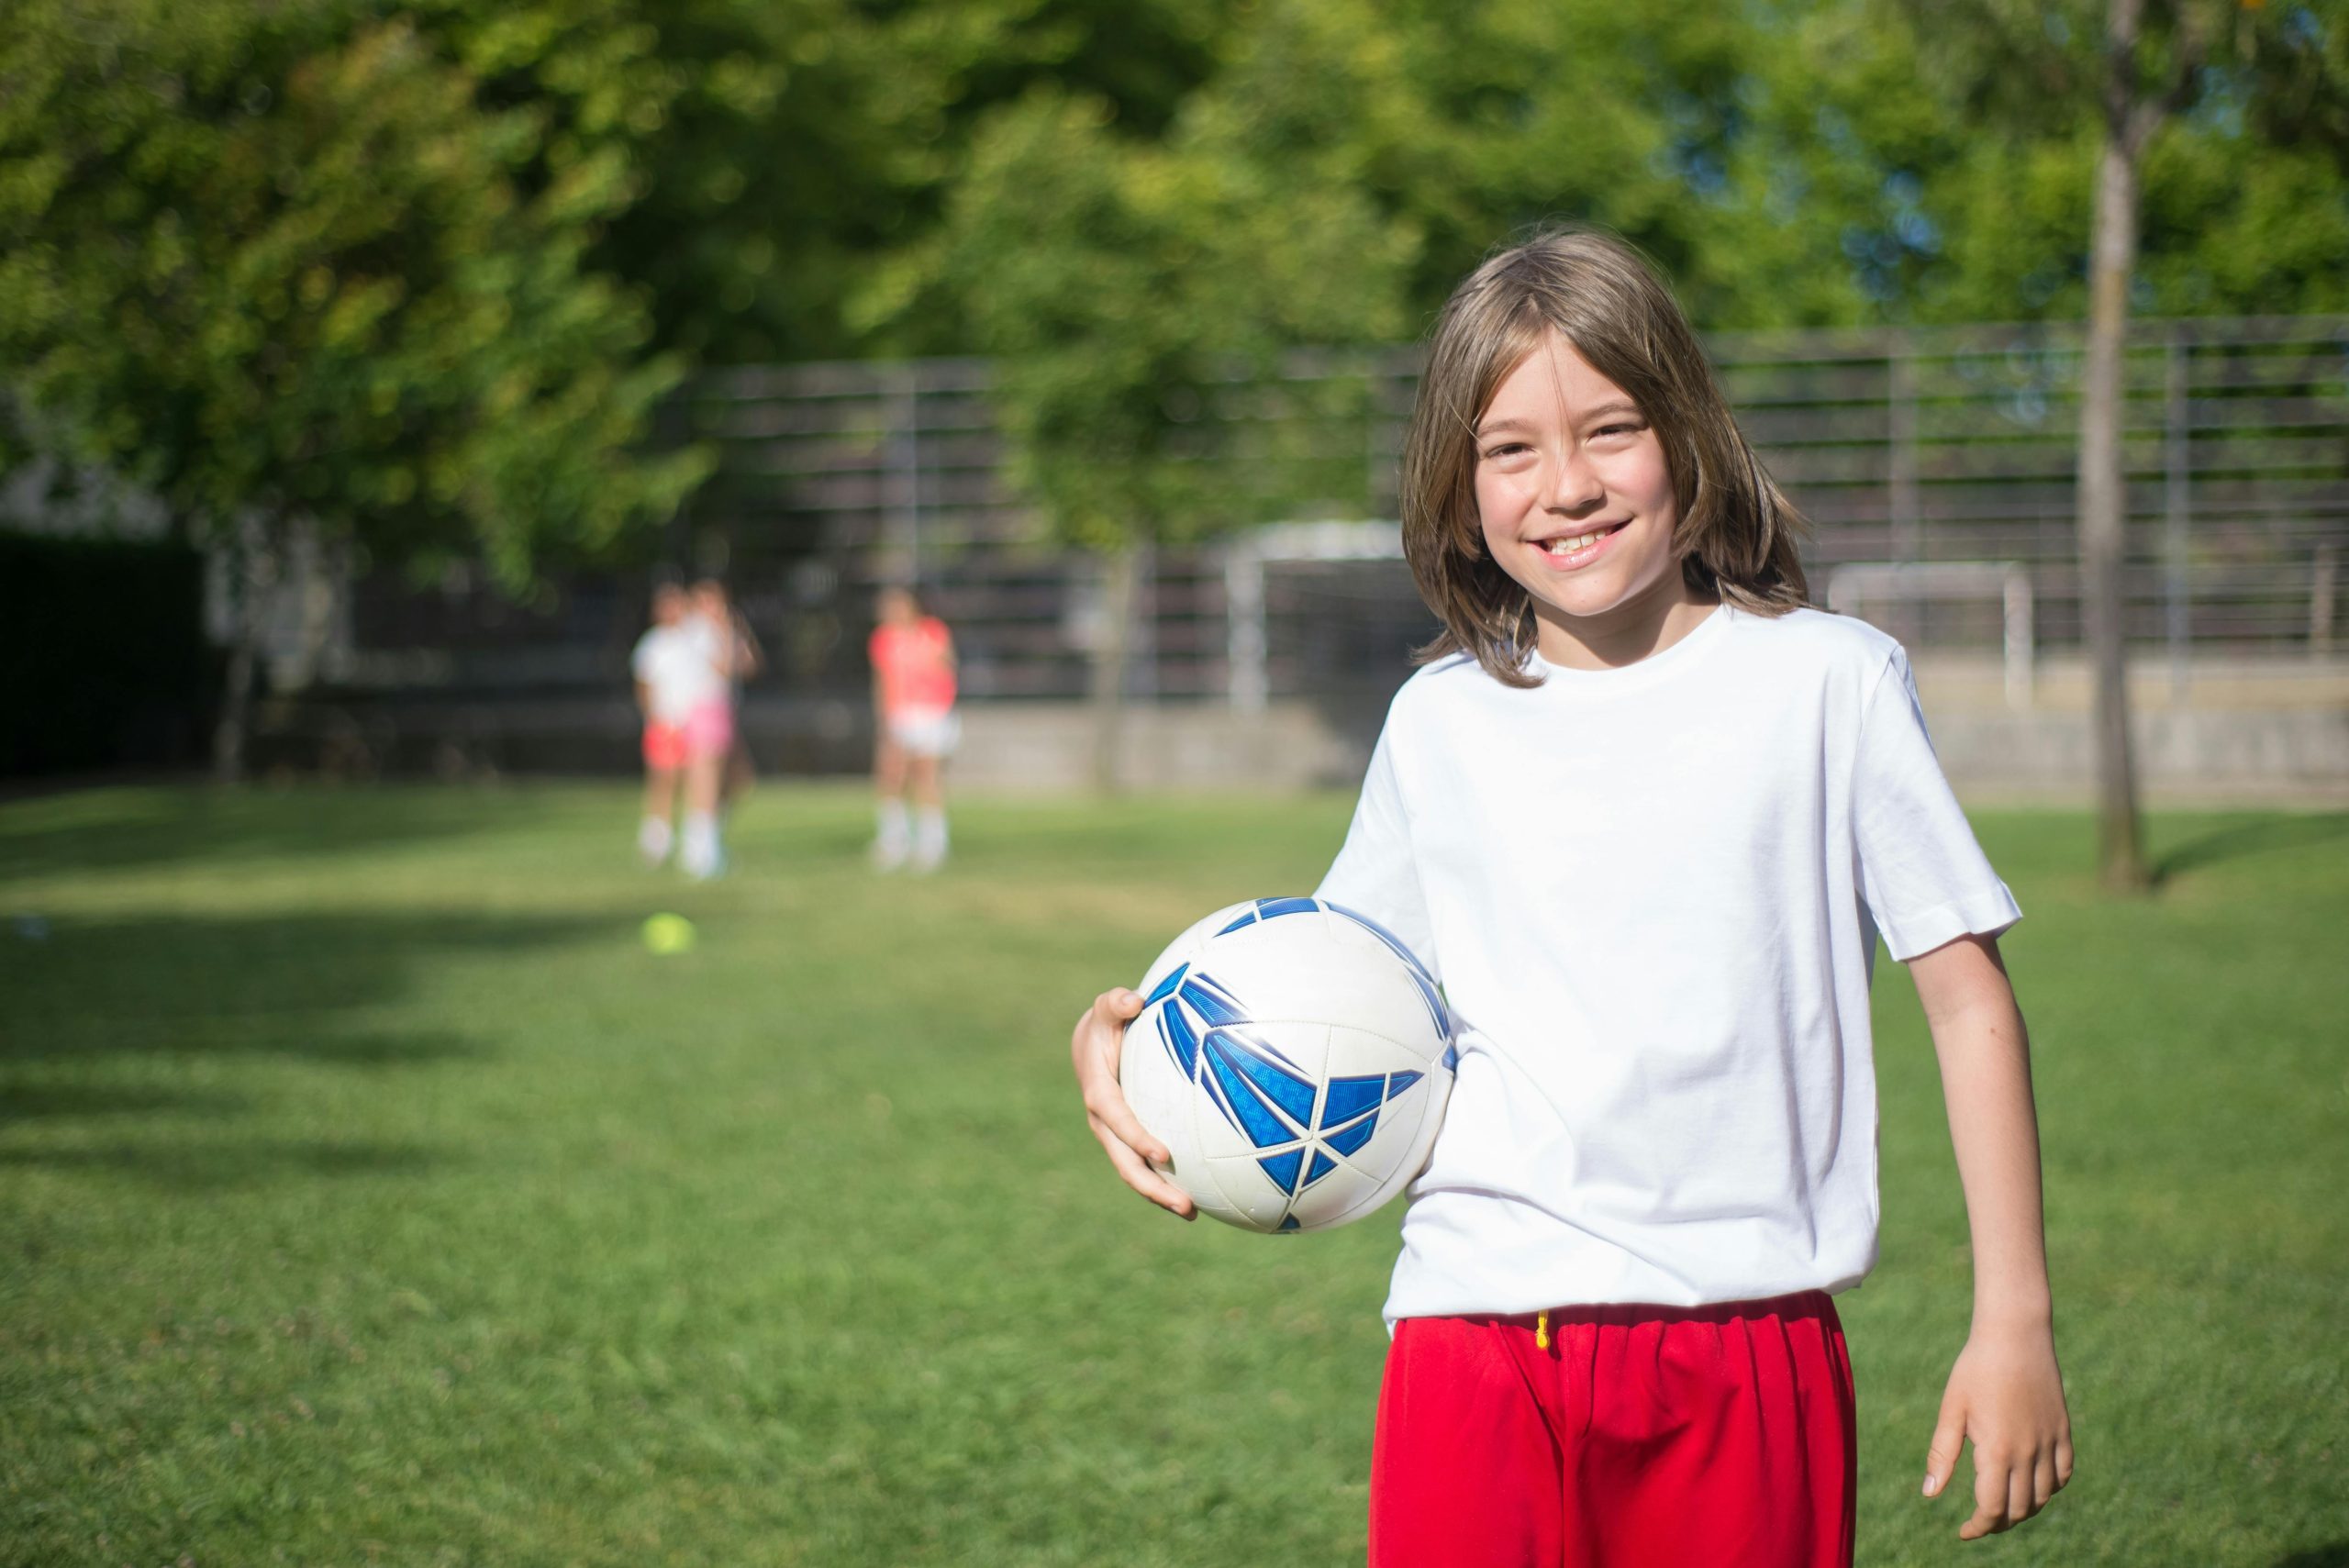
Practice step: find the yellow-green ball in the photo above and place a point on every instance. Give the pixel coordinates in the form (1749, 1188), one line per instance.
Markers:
(668, 934)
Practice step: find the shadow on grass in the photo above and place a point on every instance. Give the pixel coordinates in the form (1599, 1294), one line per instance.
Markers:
(98, 1012)
(2333, 1556)
(2261, 836)
(22, 1102)
(234, 1163)
(105, 829)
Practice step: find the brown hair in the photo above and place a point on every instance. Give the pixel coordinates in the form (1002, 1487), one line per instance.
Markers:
(1736, 535)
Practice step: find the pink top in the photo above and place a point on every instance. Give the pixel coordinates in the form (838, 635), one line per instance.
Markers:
(914, 666)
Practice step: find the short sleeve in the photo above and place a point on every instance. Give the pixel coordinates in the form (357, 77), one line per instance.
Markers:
(639, 662)
(1375, 873)
(1923, 875)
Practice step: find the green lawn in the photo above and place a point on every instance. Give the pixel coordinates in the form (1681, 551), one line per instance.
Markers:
(370, 1194)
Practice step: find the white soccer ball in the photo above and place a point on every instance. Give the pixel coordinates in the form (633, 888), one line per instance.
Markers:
(1295, 1059)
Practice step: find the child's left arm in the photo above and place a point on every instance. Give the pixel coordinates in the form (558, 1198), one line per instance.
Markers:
(2005, 1393)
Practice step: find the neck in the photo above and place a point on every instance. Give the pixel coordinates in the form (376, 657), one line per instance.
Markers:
(1635, 629)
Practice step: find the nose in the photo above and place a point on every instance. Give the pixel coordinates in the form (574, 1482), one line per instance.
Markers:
(1576, 488)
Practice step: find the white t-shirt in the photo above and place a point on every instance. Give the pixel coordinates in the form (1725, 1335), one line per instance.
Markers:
(1652, 896)
(678, 665)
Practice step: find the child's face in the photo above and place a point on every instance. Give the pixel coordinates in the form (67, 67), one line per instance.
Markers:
(1566, 458)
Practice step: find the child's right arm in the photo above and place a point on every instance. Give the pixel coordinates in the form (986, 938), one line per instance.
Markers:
(1093, 1049)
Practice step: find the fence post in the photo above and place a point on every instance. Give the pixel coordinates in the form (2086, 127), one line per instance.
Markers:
(1901, 418)
(1243, 613)
(1144, 656)
(2019, 652)
(2177, 512)
(2325, 571)
(904, 466)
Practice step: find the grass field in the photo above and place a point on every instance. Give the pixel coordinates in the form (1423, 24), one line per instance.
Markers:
(370, 1194)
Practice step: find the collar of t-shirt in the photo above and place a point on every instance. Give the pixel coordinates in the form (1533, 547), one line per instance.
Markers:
(1659, 666)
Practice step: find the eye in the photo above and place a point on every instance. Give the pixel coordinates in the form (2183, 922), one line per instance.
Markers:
(1506, 448)
(1620, 427)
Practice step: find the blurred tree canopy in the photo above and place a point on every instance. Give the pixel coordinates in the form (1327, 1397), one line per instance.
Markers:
(1836, 163)
(284, 262)
(424, 271)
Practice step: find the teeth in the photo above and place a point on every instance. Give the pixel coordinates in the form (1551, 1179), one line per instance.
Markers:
(1569, 546)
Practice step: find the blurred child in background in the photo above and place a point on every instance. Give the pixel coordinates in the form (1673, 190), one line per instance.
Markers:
(685, 666)
(915, 728)
(674, 677)
(736, 651)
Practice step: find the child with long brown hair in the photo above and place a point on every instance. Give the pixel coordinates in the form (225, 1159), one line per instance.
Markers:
(1646, 817)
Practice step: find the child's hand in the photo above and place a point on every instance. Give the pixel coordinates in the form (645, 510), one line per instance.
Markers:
(2006, 1395)
(1100, 1029)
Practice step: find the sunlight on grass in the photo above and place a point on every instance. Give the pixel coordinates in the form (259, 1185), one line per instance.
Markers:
(372, 1194)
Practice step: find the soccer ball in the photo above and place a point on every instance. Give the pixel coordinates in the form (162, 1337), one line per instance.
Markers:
(1295, 1058)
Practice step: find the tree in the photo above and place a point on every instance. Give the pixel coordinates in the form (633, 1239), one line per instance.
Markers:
(1851, 162)
(1139, 295)
(2131, 110)
(2023, 77)
(285, 267)
(779, 151)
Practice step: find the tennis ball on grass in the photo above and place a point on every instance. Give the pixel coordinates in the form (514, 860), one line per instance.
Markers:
(667, 934)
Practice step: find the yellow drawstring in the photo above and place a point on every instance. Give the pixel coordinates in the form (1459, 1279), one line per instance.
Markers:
(1542, 1331)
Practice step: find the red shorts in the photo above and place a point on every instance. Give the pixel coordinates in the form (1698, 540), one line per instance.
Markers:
(1642, 1437)
(707, 732)
(665, 746)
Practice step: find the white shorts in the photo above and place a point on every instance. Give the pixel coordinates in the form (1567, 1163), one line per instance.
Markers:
(926, 732)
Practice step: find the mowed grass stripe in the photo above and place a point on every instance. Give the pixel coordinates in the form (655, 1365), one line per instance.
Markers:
(371, 1195)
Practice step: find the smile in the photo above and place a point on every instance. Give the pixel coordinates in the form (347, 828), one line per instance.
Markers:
(1571, 550)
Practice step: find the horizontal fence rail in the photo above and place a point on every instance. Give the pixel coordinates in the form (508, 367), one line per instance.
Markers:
(1905, 447)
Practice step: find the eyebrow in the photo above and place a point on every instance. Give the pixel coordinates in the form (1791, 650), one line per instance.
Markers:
(1620, 406)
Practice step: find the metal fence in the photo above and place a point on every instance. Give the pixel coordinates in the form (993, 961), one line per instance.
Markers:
(1919, 446)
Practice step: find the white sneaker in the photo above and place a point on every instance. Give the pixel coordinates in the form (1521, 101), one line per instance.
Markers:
(887, 854)
(929, 841)
(702, 856)
(653, 838)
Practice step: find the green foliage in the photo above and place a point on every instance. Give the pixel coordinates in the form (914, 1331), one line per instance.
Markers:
(372, 1194)
(289, 261)
(785, 150)
(425, 271)
(1966, 135)
(1791, 165)
(1140, 297)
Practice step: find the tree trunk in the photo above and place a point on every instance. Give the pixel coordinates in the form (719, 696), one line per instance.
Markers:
(236, 704)
(2103, 497)
(251, 570)
(1109, 659)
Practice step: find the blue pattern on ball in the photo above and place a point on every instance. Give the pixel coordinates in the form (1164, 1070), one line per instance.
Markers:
(1260, 1092)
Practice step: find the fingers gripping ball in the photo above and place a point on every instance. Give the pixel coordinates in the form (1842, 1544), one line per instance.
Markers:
(667, 935)
(1295, 1059)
